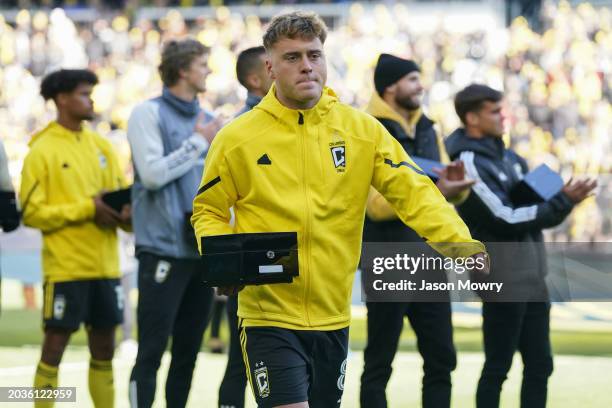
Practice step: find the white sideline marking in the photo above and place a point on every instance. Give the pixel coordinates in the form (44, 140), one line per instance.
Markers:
(65, 367)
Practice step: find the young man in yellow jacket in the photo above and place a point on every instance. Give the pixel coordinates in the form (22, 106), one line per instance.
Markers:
(63, 178)
(302, 161)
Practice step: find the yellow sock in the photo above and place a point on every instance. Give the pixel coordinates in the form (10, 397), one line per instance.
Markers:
(46, 377)
(101, 385)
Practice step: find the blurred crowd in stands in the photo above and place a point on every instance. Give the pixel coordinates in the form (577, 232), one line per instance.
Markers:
(558, 84)
(120, 4)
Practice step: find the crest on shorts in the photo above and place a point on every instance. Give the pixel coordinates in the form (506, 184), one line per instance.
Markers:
(261, 379)
(161, 272)
(59, 307)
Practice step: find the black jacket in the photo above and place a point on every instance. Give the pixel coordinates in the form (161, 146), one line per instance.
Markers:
(490, 213)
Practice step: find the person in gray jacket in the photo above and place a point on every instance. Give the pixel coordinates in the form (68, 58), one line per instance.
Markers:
(169, 137)
(9, 214)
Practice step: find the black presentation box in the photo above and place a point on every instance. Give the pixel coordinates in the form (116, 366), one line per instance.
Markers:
(250, 258)
(118, 198)
(8, 202)
(8, 207)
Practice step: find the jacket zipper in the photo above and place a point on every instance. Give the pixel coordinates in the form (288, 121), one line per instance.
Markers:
(307, 224)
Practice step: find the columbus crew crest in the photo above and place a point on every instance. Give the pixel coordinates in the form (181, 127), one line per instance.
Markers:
(59, 307)
(338, 152)
(261, 379)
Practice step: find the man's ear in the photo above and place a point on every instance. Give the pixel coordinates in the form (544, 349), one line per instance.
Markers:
(471, 119)
(182, 73)
(269, 68)
(253, 81)
(60, 99)
(391, 90)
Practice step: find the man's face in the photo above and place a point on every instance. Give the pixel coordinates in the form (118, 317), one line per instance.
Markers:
(78, 103)
(489, 119)
(197, 73)
(409, 91)
(299, 68)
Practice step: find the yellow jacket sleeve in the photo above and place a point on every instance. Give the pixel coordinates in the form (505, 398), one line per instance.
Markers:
(379, 209)
(216, 195)
(37, 211)
(417, 201)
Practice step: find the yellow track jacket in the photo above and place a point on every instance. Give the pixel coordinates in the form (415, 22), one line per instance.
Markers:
(61, 174)
(310, 171)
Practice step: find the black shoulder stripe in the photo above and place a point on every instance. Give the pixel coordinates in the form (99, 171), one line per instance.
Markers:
(27, 200)
(410, 166)
(209, 185)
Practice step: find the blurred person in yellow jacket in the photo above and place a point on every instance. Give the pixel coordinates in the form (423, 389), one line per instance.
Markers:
(302, 161)
(65, 173)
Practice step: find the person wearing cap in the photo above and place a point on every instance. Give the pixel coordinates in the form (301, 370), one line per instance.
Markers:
(397, 106)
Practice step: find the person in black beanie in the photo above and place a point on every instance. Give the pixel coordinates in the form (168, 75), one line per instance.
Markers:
(397, 105)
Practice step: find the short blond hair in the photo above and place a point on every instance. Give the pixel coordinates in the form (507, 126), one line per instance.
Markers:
(298, 24)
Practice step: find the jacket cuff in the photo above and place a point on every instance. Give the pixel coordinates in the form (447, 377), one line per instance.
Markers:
(460, 198)
(563, 202)
(200, 143)
(89, 209)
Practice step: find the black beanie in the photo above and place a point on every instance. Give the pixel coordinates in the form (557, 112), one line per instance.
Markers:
(390, 69)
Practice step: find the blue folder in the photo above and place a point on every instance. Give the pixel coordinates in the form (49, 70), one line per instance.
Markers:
(427, 166)
(539, 185)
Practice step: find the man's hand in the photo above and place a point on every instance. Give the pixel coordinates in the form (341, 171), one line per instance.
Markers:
(125, 216)
(452, 181)
(482, 263)
(209, 130)
(578, 190)
(229, 290)
(105, 216)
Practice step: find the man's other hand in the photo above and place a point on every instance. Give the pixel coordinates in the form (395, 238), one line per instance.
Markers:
(451, 180)
(125, 215)
(578, 190)
(209, 130)
(482, 263)
(105, 216)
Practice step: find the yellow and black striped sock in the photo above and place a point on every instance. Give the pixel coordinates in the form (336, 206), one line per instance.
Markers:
(46, 377)
(101, 384)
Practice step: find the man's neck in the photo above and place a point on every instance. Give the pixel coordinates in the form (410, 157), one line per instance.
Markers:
(69, 122)
(183, 91)
(256, 92)
(474, 132)
(296, 105)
